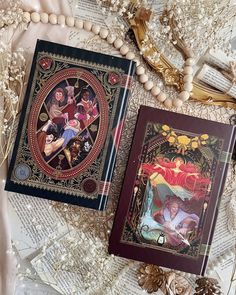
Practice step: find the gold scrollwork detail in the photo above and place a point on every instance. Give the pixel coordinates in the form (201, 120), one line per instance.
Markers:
(173, 76)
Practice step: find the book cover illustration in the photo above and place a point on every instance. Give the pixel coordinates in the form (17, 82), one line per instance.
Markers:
(169, 202)
(70, 125)
(172, 189)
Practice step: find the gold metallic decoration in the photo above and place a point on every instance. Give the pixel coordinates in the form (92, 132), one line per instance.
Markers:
(207, 286)
(151, 277)
(43, 117)
(171, 75)
(183, 142)
(144, 14)
(205, 249)
(93, 128)
(225, 157)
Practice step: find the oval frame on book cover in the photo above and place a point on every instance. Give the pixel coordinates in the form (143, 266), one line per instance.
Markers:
(36, 112)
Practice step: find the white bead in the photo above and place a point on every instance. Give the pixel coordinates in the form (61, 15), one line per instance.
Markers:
(137, 62)
(140, 70)
(189, 62)
(148, 85)
(110, 39)
(26, 17)
(124, 49)
(188, 86)
(87, 25)
(143, 78)
(184, 95)
(79, 23)
(96, 29)
(61, 20)
(53, 19)
(35, 17)
(161, 96)
(188, 70)
(168, 103)
(103, 33)
(118, 43)
(177, 102)
(44, 17)
(70, 21)
(155, 90)
(130, 55)
(188, 78)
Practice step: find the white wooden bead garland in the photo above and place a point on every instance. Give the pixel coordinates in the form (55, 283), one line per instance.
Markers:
(124, 50)
(44, 17)
(53, 19)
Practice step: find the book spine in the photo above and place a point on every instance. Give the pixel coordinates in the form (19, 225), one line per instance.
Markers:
(229, 152)
(115, 138)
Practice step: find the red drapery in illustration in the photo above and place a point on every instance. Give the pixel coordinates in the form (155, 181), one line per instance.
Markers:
(177, 173)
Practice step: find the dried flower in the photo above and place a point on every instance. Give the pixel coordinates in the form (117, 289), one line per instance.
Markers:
(207, 286)
(12, 71)
(177, 285)
(191, 25)
(12, 15)
(150, 277)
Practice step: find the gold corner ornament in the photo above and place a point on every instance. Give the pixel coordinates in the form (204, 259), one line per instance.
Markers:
(171, 75)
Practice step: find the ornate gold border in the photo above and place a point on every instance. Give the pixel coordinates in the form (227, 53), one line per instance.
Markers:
(80, 63)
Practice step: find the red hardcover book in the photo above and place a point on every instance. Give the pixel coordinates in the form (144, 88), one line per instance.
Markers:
(171, 191)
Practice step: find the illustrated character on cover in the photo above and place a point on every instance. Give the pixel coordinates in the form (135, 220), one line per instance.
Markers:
(48, 139)
(61, 106)
(176, 222)
(174, 196)
(87, 109)
(58, 101)
(177, 175)
(71, 129)
(78, 149)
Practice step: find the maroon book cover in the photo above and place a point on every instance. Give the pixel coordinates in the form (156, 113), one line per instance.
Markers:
(171, 191)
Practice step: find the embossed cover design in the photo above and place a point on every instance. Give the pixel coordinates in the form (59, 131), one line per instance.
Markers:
(70, 125)
(173, 183)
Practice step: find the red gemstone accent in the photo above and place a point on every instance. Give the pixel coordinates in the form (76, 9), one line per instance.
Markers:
(45, 63)
(89, 186)
(113, 78)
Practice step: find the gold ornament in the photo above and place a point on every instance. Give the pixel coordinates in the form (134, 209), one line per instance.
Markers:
(183, 142)
(171, 75)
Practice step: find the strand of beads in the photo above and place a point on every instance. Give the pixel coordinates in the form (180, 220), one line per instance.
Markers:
(125, 51)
